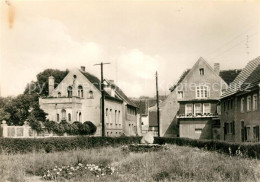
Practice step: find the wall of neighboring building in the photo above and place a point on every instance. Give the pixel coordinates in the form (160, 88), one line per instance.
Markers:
(113, 118)
(242, 119)
(168, 121)
(130, 121)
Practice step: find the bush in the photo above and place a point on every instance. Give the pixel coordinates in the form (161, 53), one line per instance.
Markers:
(251, 150)
(25, 145)
(92, 127)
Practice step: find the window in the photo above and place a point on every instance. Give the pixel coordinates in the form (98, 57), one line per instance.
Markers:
(119, 116)
(80, 91)
(201, 71)
(110, 116)
(59, 94)
(69, 117)
(58, 117)
(248, 133)
(63, 114)
(206, 108)
(115, 116)
(231, 104)
(198, 130)
(254, 102)
(80, 117)
(224, 106)
(202, 91)
(180, 94)
(106, 111)
(249, 103)
(256, 133)
(188, 109)
(242, 104)
(69, 91)
(90, 95)
(198, 108)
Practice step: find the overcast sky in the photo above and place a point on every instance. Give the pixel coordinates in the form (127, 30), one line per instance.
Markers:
(137, 37)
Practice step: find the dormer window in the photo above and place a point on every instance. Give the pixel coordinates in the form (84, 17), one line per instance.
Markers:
(80, 91)
(90, 95)
(201, 71)
(69, 91)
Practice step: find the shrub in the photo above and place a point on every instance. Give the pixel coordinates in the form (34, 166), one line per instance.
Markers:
(251, 150)
(92, 127)
(54, 144)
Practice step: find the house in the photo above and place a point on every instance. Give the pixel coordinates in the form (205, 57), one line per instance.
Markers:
(78, 98)
(147, 108)
(191, 109)
(240, 106)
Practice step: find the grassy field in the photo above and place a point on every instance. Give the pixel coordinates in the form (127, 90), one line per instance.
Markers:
(176, 164)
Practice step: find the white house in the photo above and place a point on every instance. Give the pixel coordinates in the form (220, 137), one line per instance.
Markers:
(78, 98)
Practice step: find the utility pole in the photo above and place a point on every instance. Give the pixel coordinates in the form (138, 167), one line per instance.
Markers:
(102, 99)
(158, 108)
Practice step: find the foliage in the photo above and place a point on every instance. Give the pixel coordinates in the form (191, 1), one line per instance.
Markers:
(92, 127)
(16, 110)
(41, 85)
(71, 171)
(15, 145)
(244, 149)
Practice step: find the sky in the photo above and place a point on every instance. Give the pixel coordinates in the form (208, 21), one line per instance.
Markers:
(137, 37)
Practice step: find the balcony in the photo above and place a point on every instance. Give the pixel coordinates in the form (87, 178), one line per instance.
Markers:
(198, 115)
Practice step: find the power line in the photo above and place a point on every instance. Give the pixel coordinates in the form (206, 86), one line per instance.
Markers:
(234, 38)
(235, 45)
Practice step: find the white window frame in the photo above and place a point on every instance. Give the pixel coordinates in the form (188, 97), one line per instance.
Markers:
(249, 105)
(201, 109)
(186, 109)
(255, 102)
(180, 94)
(242, 105)
(205, 109)
(201, 89)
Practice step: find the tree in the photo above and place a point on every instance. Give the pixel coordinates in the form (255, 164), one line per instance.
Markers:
(41, 85)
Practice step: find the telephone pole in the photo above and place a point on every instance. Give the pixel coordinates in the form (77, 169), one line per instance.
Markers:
(158, 108)
(102, 99)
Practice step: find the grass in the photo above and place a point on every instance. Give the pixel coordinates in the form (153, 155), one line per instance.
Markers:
(176, 164)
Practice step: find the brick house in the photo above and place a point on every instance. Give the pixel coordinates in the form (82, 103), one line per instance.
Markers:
(240, 106)
(78, 98)
(191, 109)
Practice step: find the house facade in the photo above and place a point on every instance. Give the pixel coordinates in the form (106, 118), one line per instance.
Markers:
(190, 110)
(240, 106)
(78, 98)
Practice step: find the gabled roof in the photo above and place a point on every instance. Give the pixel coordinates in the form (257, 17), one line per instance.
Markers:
(96, 82)
(121, 94)
(229, 75)
(184, 74)
(249, 76)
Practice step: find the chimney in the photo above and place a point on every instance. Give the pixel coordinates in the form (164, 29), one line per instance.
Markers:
(82, 68)
(51, 85)
(217, 68)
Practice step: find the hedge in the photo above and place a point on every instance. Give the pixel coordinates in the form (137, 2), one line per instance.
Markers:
(13, 145)
(251, 150)
(55, 144)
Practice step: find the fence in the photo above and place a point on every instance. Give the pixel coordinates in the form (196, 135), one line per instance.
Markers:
(24, 131)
